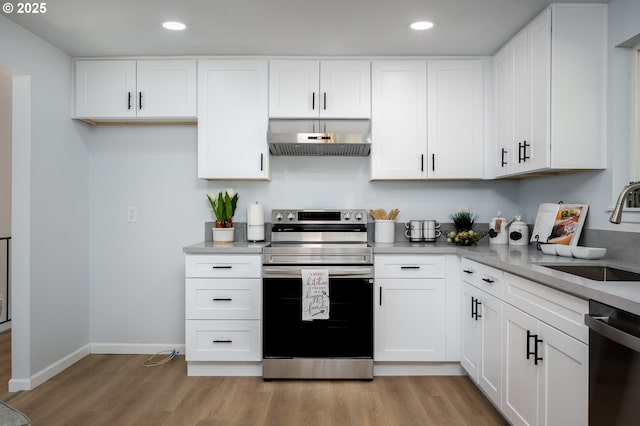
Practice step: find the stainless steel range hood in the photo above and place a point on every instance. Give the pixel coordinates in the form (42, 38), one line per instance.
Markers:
(336, 137)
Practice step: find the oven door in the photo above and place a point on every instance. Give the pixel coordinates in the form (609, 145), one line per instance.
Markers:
(348, 333)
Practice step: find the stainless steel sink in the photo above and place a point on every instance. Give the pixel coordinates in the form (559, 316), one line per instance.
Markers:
(597, 273)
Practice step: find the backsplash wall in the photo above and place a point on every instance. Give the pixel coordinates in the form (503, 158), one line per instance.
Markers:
(153, 168)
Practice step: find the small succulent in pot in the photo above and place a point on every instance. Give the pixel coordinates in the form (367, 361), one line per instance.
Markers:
(224, 207)
(464, 234)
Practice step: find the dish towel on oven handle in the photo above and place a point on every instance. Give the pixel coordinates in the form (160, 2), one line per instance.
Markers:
(315, 294)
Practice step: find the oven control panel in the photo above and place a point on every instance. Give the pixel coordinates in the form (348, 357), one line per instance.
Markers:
(319, 216)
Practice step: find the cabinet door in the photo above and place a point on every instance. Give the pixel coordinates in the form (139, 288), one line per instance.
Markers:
(490, 376)
(345, 89)
(503, 72)
(232, 119)
(521, 379)
(410, 320)
(455, 119)
(399, 119)
(564, 387)
(521, 101)
(294, 88)
(166, 88)
(105, 89)
(539, 36)
(470, 332)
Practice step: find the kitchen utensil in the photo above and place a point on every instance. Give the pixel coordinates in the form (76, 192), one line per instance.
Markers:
(588, 252)
(385, 231)
(414, 230)
(430, 234)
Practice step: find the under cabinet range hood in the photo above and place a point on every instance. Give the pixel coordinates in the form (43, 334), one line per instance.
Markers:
(337, 137)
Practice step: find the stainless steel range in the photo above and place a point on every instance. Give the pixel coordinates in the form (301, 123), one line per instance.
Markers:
(318, 296)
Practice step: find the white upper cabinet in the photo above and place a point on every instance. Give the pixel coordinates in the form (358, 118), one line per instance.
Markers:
(399, 119)
(166, 88)
(105, 89)
(113, 90)
(410, 143)
(550, 83)
(313, 89)
(455, 119)
(232, 119)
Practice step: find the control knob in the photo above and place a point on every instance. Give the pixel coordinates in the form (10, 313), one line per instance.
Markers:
(358, 216)
(347, 216)
(279, 217)
(291, 216)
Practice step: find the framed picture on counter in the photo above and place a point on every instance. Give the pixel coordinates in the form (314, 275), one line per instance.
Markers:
(559, 223)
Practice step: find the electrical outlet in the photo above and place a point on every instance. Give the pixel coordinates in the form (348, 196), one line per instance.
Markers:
(132, 214)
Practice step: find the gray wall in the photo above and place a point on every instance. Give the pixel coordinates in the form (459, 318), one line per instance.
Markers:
(137, 269)
(50, 208)
(5, 154)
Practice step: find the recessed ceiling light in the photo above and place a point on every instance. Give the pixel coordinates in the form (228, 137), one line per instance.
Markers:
(173, 25)
(421, 25)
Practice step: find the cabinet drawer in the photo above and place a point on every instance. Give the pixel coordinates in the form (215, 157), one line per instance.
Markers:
(223, 266)
(237, 298)
(482, 276)
(558, 309)
(220, 340)
(396, 266)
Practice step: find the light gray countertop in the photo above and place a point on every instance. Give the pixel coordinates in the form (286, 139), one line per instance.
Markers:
(237, 247)
(524, 261)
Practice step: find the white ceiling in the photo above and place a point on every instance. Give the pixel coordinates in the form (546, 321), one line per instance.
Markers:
(281, 27)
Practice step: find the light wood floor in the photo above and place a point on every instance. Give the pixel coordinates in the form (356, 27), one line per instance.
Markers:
(116, 390)
(5, 363)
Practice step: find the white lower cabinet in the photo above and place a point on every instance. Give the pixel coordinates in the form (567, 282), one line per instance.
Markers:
(223, 311)
(482, 340)
(545, 373)
(414, 320)
(482, 327)
(409, 320)
(525, 346)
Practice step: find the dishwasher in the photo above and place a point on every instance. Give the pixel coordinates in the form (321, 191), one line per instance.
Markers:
(614, 365)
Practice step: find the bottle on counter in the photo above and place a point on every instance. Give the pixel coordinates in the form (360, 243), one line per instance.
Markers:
(518, 232)
(498, 230)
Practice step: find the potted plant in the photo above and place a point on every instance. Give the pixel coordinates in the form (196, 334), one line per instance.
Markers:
(224, 207)
(464, 233)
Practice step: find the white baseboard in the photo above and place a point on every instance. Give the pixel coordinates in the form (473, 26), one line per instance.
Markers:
(6, 326)
(48, 372)
(135, 348)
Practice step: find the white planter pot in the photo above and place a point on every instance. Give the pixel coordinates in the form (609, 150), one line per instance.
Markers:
(223, 235)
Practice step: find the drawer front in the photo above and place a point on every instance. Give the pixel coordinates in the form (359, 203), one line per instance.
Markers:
(482, 276)
(234, 298)
(220, 340)
(400, 266)
(558, 309)
(223, 266)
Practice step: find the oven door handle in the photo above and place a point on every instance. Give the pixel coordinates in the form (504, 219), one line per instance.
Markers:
(600, 325)
(296, 272)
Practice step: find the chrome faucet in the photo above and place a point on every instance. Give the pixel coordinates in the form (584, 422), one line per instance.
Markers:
(616, 214)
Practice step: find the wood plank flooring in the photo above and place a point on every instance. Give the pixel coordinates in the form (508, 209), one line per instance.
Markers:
(5, 363)
(116, 390)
